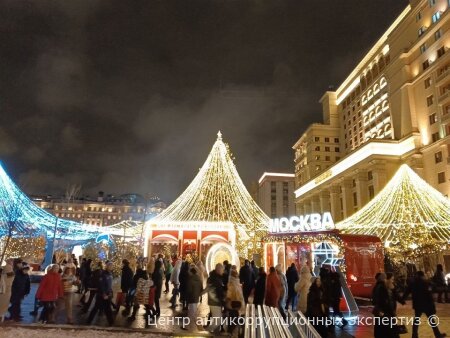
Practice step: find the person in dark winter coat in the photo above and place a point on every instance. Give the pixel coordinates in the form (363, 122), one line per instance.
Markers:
(126, 279)
(19, 289)
(316, 307)
(422, 301)
(92, 282)
(247, 280)
(439, 283)
(335, 294)
(216, 297)
(226, 273)
(383, 308)
(194, 289)
(292, 278)
(260, 287)
(183, 278)
(157, 277)
(104, 296)
(126, 283)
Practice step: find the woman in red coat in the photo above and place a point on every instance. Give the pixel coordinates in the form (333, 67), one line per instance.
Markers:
(49, 291)
(273, 288)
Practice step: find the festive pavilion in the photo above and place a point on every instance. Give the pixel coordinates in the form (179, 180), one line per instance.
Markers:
(410, 217)
(215, 215)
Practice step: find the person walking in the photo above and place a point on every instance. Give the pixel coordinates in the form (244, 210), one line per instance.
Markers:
(139, 290)
(292, 278)
(247, 280)
(284, 290)
(68, 281)
(94, 284)
(194, 289)
(168, 268)
(19, 289)
(383, 309)
(104, 296)
(316, 307)
(85, 278)
(423, 303)
(439, 284)
(183, 277)
(7, 278)
(302, 288)
(48, 292)
(234, 302)
(126, 283)
(273, 289)
(260, 287)
(157, 277)
(216, 297)
(175, 280)
(335, 294)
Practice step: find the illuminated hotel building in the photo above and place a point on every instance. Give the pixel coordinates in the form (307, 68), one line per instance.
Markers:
(276, 194)
(103, 211)
(393, 108)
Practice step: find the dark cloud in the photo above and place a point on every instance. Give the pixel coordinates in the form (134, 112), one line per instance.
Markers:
(128, 96)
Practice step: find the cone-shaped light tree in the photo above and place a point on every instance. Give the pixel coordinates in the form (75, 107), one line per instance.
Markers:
(410, 217)
(217, 195)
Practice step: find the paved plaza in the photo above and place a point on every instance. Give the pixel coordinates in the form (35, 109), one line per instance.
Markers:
(168, 326)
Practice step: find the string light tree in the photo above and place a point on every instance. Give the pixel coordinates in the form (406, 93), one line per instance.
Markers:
(215, 205)
(410, 217)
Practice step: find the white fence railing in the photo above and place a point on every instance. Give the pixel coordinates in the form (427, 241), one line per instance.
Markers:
(267, 322)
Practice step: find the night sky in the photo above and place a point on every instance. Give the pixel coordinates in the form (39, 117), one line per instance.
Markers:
(127, 96)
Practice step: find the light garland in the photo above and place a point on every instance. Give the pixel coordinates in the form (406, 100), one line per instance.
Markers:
(217, 195)
(408, 215)
(24, 218)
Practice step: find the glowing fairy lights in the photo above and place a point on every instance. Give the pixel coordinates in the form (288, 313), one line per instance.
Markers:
(217, 196)
(27, 219)
(408, 215)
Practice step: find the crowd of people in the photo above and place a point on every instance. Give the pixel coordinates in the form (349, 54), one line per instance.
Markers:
(227, 288)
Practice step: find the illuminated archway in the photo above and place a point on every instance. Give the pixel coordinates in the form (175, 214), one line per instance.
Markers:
(220, 252)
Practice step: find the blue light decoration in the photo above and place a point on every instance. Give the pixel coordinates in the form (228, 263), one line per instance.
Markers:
(19, 216)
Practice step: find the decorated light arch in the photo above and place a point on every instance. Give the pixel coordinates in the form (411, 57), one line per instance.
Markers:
(19, 216)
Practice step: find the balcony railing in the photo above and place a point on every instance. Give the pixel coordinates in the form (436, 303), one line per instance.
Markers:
(444, 96)
(443, 75)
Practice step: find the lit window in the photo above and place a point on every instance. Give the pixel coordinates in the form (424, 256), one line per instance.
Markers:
(423, 48)
(438, 157)
(432, 118)
(441, 177)
(435, 137)
(421, 31)
(436, 17)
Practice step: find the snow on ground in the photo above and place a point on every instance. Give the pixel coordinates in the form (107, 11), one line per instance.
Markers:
(20, 332)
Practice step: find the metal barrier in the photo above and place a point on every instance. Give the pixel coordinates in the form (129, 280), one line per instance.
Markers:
(267, 322)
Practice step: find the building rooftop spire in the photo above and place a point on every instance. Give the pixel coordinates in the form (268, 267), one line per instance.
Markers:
(219, 136)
